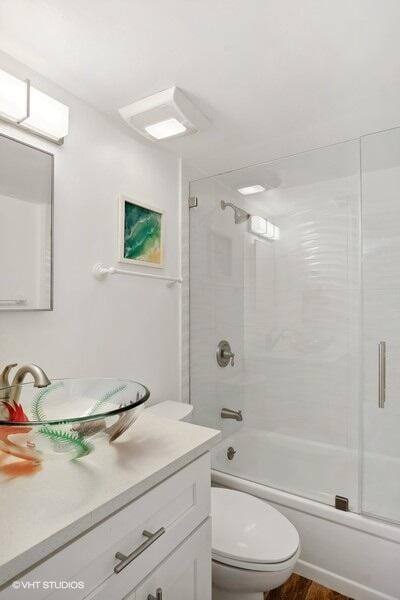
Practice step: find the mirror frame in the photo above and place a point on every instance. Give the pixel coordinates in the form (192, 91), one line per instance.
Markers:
(51, 299)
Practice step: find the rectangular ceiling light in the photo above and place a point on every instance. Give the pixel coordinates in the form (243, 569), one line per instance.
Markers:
(13, 97)
(165, 129)
(26, 106)
(251, 189)
(48, 117)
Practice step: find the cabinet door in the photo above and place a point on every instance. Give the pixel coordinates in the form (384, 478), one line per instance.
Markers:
(185, 574)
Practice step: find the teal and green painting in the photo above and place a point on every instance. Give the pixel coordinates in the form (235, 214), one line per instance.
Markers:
(142, 234)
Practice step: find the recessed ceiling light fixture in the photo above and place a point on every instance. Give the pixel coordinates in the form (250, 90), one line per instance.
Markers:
(165, 129)
(164, 115)
(251, 189)
(25, 106)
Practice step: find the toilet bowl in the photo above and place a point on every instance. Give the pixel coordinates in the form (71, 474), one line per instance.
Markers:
(254, 547)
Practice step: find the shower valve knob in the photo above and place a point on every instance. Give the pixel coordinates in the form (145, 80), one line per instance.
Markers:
(224, 354)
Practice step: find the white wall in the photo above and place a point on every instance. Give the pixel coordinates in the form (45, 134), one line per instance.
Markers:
(124, 326)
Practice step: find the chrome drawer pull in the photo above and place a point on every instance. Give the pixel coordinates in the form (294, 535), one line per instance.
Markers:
(382, 375)
(126, 560)
(158, 595)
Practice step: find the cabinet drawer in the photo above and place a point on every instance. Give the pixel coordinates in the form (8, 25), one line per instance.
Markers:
(178, 505)
(183, 575)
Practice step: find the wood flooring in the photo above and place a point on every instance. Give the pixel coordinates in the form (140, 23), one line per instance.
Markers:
(299, 588)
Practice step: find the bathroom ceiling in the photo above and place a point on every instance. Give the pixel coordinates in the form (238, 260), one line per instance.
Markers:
(274, 76)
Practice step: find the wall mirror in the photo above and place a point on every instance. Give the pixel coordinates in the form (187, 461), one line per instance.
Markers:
(26, 226)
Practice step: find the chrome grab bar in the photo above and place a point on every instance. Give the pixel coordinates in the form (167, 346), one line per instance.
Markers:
(126, 560)
(381, 374)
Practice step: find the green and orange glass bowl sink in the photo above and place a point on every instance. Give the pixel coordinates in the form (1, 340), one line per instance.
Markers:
(66, 418)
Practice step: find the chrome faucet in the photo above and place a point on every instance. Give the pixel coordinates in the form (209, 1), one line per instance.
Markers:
(12, 391)
(229, 413)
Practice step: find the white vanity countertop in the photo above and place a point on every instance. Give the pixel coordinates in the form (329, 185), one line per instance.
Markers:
(42, 512)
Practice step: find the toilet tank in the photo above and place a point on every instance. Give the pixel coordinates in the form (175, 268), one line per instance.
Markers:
(177, 411)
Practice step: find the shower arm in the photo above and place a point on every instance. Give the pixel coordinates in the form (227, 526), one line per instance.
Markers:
(240, 215)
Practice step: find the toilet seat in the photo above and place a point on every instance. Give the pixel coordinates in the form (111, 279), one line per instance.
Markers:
(250, 534)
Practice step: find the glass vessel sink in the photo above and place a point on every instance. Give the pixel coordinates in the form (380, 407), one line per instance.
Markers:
(67, 417)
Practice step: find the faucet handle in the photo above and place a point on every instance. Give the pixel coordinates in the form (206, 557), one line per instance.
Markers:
(225, 354)
(4, 381)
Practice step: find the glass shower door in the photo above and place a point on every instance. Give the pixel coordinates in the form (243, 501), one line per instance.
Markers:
(289, 305)
(381, 324)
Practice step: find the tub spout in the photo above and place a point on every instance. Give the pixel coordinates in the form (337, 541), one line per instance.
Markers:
(229, 413)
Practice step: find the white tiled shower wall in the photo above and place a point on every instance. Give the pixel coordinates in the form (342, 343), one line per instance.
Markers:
(301, 314)
(217, 305)
(290, 308)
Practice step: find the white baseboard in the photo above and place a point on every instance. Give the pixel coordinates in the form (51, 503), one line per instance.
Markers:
(339, 584)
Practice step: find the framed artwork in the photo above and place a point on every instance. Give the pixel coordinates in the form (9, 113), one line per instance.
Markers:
(141, 236)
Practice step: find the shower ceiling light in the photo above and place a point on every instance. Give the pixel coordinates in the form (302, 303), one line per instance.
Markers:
(163, 115)
(251, 189)
(24, 105)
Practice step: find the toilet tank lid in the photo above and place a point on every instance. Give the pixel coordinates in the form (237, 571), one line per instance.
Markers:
(177, 411)
(248, 529)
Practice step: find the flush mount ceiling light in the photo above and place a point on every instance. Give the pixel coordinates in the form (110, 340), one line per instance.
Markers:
(251, 189)
(164, 115)
(25, 106)
(165, 129)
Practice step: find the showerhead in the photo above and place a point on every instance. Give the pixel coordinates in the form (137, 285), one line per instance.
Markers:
(240, 215)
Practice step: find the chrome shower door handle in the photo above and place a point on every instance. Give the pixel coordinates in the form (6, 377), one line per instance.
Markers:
(126, 560)
(381, 374)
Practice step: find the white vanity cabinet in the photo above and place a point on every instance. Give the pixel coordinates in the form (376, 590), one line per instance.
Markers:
(183, 575)
(162, 540)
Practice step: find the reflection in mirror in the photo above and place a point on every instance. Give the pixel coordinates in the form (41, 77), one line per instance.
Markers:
(26, 203)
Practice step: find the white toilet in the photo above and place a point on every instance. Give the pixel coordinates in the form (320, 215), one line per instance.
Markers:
(254, 547)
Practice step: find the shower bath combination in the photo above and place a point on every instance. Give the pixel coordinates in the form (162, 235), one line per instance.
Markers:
(314, 399)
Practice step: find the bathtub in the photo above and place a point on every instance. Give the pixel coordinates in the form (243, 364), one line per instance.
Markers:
(354, 554)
